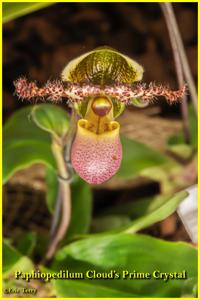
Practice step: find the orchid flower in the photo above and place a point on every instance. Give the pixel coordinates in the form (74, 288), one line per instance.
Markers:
(98, 84)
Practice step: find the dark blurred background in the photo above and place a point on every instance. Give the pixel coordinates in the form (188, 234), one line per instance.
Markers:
(39, 46)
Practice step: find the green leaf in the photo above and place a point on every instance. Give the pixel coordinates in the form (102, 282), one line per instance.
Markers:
(145, 212)
(24, 144)
(109, 222)
(51, 118)
(189, 290)
(138, 208)
(81, 203)
(193, 126)
(12, 10)
(26, 243)
(139, 102)
(14, 260)
(179, 138)
(81, 207)
(133, 209)
(79, 290)
(183, 151)
(20, 127)
(10, 256)
(137, 157)
(164, 207)
(17, 157)
(121, 252)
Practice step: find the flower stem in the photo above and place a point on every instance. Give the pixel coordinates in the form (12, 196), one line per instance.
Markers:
(167, 7)
(65, 198)
(174, 36)
(70, 135)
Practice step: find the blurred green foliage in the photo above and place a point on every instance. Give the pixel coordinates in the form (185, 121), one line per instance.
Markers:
(125, 252)
(14, 10)
(37, 125)
(14, 260)
(27, 140)
(140, 214)
(176, 143)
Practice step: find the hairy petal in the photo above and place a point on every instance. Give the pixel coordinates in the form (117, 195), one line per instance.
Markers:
(53, 90)
(96, 157)
(125, 93)
(75, 92)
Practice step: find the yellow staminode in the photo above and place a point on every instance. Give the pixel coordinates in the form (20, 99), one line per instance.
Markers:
(84, 128)
(99, 116)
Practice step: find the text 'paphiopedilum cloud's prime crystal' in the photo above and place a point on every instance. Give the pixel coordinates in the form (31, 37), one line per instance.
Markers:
(98, 84)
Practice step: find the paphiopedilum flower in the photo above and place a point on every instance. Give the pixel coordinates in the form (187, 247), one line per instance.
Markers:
(99, 84)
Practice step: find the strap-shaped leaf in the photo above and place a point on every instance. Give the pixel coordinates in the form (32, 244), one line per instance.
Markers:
(126, 252)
